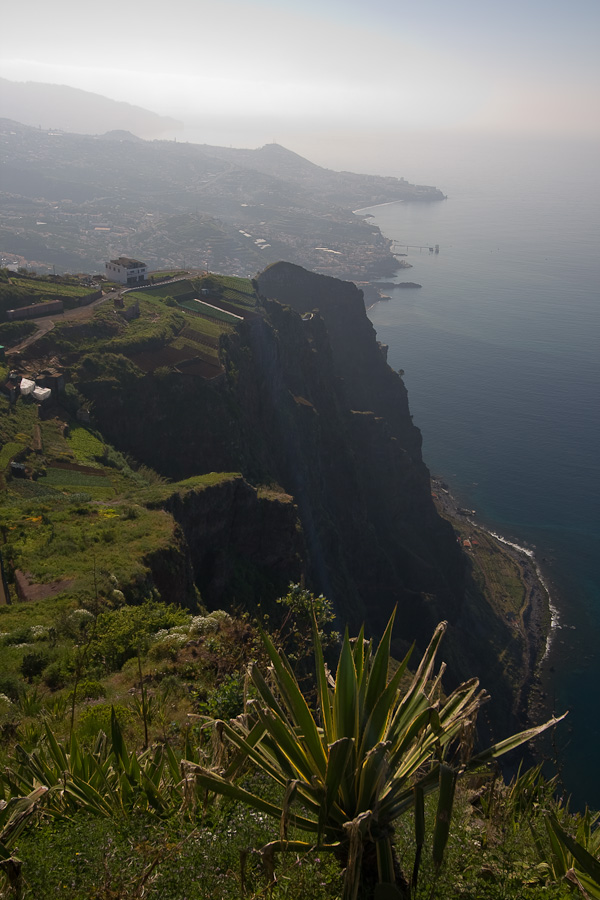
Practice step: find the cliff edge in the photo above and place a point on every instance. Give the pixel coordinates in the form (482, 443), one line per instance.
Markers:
(308, 404)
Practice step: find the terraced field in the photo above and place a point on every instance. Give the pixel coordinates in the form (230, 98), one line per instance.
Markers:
(237, 290)
(209, 310)
(73, 481)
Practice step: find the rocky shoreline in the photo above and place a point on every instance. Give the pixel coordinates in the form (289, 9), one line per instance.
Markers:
(536, 617)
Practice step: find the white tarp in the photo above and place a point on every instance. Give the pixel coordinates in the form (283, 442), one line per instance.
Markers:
(40, 393)
(26, 386)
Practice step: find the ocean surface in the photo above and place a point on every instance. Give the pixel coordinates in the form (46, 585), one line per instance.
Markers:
(501, 358)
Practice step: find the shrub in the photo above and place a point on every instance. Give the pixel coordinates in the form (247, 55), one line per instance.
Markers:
(121, 632)
(203, 625)
(98, 718)
(20, 635)
(78, 622)
(89, 690)
(11, 686)
(227, 700)
(13, 332)
(167, 645)
(33, 664)
(57, 674)
(40, 633)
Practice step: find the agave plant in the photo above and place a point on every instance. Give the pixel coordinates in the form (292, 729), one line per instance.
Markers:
(14, 816)
(576, 860)
(106, 780)
(369, 753)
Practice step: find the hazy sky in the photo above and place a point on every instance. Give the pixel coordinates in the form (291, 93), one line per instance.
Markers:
(528, 66)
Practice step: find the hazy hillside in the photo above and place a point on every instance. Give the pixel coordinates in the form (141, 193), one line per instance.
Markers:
(69, 109)
(73, 200)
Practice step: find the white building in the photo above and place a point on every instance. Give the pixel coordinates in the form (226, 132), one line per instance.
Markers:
(126, 271)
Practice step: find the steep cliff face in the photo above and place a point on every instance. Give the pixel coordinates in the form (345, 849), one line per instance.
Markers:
(368, 383)
(376, 489)
(243, 545)
(308, 403)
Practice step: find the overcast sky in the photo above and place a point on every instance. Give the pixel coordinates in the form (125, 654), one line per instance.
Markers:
(520, 66)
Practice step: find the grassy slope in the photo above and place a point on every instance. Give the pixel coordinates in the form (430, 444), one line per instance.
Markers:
(83, 518)
(19, 290)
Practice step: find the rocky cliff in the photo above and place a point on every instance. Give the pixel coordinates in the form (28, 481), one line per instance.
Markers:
(241, 543)
(309, 404)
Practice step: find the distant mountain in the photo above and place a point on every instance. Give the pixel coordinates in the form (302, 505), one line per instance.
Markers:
(82, 112)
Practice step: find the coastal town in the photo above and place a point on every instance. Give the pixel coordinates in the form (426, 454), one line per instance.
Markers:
(75, 201)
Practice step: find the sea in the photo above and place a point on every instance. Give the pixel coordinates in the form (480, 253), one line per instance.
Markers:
(500, 353)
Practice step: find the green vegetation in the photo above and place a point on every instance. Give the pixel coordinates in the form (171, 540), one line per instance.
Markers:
(76, 543)
(157, 494)
(183, 289)
(200, 326)
(114, 819)
(19, 290)
(10, 449)
(371, 754)
(236, 290)
(171, 273)
(56, 287)
(171, 327)
(13, 332)
(87, 447)
(576, 860)
(108, 330)
(205, 309)
(68, 480)
(57, 526)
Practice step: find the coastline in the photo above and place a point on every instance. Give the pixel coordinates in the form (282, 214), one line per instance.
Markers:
(532, 616)
(537, 619)
(502, 424)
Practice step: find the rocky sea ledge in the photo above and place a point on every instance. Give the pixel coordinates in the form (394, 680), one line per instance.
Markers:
(538, 616)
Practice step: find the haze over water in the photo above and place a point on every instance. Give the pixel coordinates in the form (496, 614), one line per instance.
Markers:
(500, 352)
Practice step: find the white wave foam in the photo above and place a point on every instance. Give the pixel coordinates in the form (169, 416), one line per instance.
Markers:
(554, 614)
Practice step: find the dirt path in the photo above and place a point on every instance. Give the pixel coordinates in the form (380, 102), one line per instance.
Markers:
(46, 323)
(79, 314)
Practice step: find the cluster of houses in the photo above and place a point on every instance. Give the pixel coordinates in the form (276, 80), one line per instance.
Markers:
(43, 387)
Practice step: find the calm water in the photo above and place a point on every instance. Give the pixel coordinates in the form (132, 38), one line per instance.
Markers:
(501, 360)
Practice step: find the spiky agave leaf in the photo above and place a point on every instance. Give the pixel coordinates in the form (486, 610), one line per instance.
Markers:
(369, 753)
(581, 868)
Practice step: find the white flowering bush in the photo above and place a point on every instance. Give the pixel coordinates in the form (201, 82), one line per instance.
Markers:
(210, 624)
(221, 616)
(201, 625)
(180, 629)
(166, 644)
(79, 619)
(39, 632)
